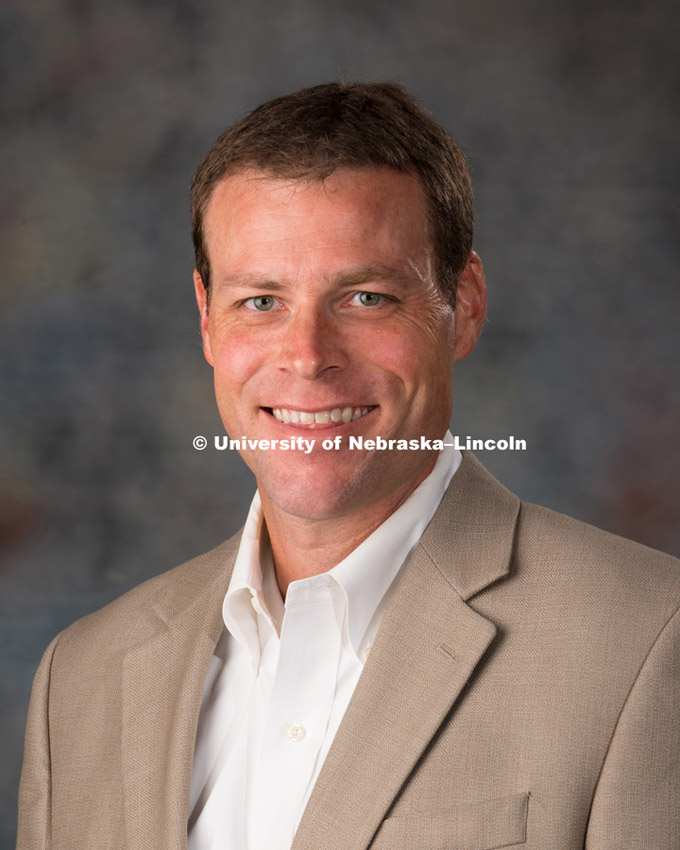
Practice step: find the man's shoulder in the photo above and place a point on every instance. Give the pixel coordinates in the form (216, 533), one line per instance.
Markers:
(143, 609)
(551, 551)
(559, 535)
(585, 560)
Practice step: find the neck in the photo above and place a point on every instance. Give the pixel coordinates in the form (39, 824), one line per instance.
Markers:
(304, 547)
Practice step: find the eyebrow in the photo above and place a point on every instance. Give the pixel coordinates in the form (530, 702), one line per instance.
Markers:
(352, 277)
(377, 272)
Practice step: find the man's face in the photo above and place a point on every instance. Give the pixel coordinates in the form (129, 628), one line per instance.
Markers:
(325, 319)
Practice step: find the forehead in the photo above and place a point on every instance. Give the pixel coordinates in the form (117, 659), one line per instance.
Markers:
(364, 210)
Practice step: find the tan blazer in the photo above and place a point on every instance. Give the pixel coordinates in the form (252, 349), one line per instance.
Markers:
(523, 691)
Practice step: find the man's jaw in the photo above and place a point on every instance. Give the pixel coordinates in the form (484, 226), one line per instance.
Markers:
(331, 417)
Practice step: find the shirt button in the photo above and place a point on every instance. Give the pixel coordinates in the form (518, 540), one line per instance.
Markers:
(295, 732)
(255, 602)
(367, 651)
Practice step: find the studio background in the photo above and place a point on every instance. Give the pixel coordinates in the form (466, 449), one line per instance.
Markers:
(568, 112)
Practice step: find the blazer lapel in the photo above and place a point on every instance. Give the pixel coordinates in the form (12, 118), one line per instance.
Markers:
(428, 645)
(162, 685)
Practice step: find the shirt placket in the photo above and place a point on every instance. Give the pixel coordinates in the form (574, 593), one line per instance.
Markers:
(301, 703)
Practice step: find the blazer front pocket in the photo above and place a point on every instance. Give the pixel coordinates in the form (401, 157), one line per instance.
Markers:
(488, 825)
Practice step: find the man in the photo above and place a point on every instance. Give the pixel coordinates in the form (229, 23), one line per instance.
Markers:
(395, 652)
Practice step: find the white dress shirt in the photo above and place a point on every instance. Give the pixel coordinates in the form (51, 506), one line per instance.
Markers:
(283, 675)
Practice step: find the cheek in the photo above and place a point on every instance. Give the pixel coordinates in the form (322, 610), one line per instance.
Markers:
(419, 359)
(238, 355)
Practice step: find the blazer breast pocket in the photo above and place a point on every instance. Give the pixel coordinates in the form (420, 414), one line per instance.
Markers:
(487, 825)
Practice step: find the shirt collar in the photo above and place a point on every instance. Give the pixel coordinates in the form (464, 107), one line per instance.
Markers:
(238, 613)
(369, 571)
(365, 575)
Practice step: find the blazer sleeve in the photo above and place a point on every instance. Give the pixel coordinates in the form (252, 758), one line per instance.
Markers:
(34, 832)
(637, 799)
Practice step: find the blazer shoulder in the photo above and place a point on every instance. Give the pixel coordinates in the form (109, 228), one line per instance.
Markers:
(140, 611)
(594, 560)
(539, 522)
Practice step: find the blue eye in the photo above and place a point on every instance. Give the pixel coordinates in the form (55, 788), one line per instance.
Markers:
(368, 299)
(262, 303)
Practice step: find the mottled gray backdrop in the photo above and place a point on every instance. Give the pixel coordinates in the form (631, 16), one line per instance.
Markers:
(569, 113)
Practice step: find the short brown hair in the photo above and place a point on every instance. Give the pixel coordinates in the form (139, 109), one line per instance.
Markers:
(312, 132)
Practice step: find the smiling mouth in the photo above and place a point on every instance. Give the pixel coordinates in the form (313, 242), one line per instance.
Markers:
(331, 416)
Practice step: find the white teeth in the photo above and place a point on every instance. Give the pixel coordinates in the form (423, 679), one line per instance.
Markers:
(319, 417)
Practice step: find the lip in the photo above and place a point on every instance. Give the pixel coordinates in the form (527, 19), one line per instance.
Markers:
(319, 426)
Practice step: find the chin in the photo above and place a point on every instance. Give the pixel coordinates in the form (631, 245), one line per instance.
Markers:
(317, 495)
(326, 485)
(314, 503)
(316, 510)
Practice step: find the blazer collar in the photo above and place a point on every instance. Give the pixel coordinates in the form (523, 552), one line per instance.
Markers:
(470, 538)
(162, 689)
(427, 648)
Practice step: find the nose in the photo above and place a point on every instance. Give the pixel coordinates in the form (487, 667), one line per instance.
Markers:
(312, 345)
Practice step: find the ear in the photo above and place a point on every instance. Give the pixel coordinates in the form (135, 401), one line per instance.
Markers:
(470, 306)
(202, 301)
